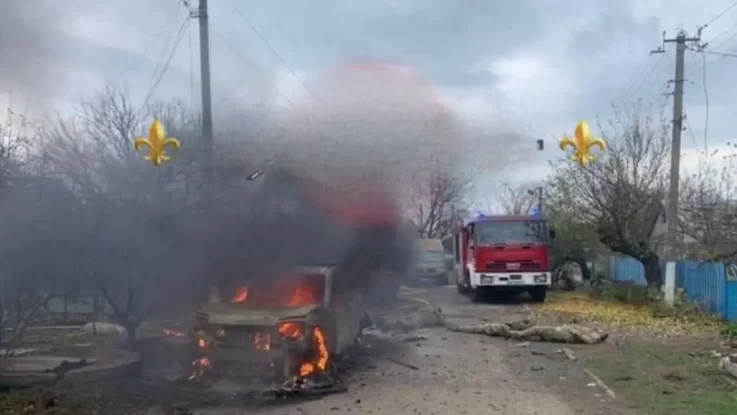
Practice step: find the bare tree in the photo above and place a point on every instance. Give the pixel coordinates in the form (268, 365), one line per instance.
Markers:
(37, 252)
(32, 245)
(707, 216)
(516, 200)
(436, 202)
(621, 194)
(14, 145)
(128, 208)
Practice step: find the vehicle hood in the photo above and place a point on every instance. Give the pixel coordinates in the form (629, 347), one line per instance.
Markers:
(248, 315)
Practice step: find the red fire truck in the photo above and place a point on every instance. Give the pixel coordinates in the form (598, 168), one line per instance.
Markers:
(503, 255)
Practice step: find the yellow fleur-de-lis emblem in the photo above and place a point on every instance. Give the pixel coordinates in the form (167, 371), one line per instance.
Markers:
(157, 141)
(582, 143)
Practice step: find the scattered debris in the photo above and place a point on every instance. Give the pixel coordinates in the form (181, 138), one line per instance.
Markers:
(675, 375)
(568, 354)
(601, 384)
(411, 339)
(523, 344)
(408, 318)
(317, 384)
(401, 363)
(567, 333)
(728, 365)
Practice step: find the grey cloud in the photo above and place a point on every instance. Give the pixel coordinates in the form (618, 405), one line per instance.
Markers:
(29, 33)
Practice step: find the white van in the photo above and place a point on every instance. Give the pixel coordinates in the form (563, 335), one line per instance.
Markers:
(429, 261)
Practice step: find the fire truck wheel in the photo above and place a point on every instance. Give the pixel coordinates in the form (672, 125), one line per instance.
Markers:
(460, 288)
(538, 294)
(478, 295)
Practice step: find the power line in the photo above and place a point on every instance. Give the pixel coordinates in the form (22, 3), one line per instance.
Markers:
(271, 48)
(726, 55)
(170, 22)
(690, 131)
(174, 39)
(632, 79)
(719, 15)
(643, 83)
(159, 77)
(722, 33)
(246, 63)
(715, 98)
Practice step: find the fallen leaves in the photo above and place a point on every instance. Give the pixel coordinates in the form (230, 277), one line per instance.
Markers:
(581, 307)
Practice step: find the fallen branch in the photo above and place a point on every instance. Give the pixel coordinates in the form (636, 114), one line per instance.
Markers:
(525, 330)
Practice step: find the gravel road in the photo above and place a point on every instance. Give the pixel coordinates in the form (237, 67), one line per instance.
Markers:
(456, 373)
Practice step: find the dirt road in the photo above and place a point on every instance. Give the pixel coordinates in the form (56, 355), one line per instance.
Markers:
(440, 372)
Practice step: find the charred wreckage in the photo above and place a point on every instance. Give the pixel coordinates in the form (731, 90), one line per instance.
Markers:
(287, 328)
(325, 238)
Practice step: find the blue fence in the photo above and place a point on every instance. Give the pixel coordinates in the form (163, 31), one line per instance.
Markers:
(705, 283)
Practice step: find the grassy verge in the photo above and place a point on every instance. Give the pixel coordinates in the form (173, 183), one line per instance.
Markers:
(611, 311)
(659, 379)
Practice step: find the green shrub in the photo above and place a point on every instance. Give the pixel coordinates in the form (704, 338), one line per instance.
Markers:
(622, 292)
(730, 331)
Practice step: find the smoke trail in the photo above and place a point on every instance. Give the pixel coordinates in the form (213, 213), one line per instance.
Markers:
(29, 34)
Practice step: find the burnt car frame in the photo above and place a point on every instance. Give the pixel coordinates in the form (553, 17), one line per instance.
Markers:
(272, 345)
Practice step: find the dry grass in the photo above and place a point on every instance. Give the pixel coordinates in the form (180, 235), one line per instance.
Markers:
(582, 307)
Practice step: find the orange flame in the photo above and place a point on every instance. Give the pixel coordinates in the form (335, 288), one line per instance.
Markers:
(308, 368)
(200, 365)
(241, 295)
(292, 330)
(294, 291)
(304, 294)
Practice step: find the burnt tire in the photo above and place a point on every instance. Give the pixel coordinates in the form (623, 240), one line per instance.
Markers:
(538, 294)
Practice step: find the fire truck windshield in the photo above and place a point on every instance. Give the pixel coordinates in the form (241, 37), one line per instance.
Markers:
(527, 232)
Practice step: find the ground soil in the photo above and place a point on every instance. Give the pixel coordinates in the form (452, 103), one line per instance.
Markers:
(431, 371)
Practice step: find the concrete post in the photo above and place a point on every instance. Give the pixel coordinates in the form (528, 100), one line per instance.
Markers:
(669, 286)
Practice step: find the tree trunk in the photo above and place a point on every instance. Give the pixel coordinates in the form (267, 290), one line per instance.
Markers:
(653, 276)
(130, 334)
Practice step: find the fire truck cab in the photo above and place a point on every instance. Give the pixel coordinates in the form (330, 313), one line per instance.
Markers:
(503, 255)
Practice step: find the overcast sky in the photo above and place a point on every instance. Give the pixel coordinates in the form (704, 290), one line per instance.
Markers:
(535, 66)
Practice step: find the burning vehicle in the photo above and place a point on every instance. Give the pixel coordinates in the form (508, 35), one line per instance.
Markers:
(286, 334)
(325, 236)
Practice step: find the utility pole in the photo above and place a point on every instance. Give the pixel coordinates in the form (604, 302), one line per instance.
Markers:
(207, 138)
(539, 189)
(675, 156)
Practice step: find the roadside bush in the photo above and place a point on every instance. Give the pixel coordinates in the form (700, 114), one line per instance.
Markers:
(621, 292)
(730, 331)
